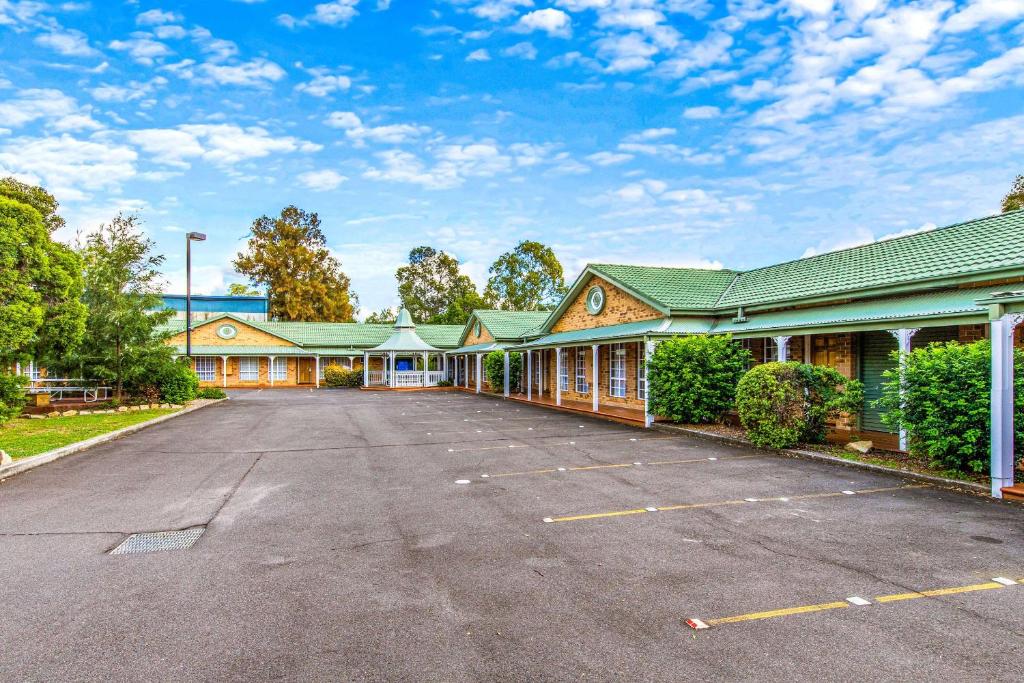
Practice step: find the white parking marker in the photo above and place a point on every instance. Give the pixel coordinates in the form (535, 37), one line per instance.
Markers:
(632, 439)
(696, 624)
(712, 458)
(484, 476)
(548, 520)
(1005, 581)
(530, 429)
(651, 509)
(860, 602)
(462, 481)
(784, 500)
(451, 450)
(572, 443)
(479, 431)
(581, 426)
(849, 493)
(429, 434)
(638, 463)
(750, 500)
(561, 469)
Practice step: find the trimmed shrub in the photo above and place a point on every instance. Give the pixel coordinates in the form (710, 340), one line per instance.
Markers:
(494, 369)
(783, 404)
(693, 379)
(12, 395)
(337, 376)
(211, 392)
(946, 407)
(179, 383)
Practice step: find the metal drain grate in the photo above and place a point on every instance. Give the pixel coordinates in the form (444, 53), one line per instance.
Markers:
(159, 540)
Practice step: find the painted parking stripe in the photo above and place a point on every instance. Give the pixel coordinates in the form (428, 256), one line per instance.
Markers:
(585, 468)
(544, 445)
(745, 501)
(839, 604)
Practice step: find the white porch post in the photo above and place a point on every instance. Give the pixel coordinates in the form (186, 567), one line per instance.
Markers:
(529, 375)
(465, 379)
(783, 344)
(540, 367)
(366, 369)
(224, 370)
(1002, 400)
(648, 348)
(596, 388)
(479, 372)
(316, 369)
(424, 368)
(903, 337)
(270, 368)
(391, 380)
(508, 381)
(558, 376)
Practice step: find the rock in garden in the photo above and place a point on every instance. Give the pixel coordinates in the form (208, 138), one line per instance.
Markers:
(165, 405)
(122, 409)
(53, 413)
(860, 446)
(69, 413)
(5, 459)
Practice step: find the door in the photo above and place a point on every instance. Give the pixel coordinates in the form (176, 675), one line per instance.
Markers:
(307, 366)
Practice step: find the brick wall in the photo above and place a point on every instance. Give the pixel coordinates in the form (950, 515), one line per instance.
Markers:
(968, 334)
(619, 307)
(206, 335)
(484, 336)
(604, 355)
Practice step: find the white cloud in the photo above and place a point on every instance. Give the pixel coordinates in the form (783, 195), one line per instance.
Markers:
(68, 167)
(257, 72)
(142, 48)
(48, 105)
(702, 112)
(155, 17)
(221, 144)
(496, 10)
(480, 55)
(321, 181)
(523, 50)
(984, 12)
(355, 130)
(335, 13)
(609, 158)
(67, 41)
(626, 52)
(554, 22)
(324, 84)
(650, 134)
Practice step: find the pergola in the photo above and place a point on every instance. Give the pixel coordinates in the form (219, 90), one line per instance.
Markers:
(404, 343)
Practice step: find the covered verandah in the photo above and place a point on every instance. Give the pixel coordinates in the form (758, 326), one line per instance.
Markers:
(467, 366)
(243, 366)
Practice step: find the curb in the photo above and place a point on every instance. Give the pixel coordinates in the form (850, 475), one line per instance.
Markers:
(34, 461)
(941, 482)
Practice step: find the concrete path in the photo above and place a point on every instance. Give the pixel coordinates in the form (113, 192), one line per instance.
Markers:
(338, 546)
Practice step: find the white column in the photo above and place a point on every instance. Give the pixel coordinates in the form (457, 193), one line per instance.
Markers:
(540, 367)
(558, 376)
(316, 369)
(648, 348)
(1002, 401)
(366, 369)
(783, 344)
(391, 376)
(508, 381)
(270, 370)
(903, 337)
(224, 369)
(424, 368)
(596, 386)
(479, 372)
(466, 378)
(529, 375)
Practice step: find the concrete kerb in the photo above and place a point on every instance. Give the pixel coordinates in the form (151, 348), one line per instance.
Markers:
(942, 482)
(25, 464)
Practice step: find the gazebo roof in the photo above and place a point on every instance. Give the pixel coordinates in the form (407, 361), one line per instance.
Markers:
(404, 338)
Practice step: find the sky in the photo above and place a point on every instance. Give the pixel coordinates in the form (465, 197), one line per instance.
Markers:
(660, 132)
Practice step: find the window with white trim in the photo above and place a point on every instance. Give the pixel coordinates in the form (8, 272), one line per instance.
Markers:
(280, 368)
(641, 374)
(617, 371)
(206, 368)
(771, 350)
(31, 371)
(248, 369)
(581, 372)
(747, 345)
(563, 370)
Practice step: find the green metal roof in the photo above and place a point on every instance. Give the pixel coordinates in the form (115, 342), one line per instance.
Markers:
(508, 325)
(479, 348)
(671, 288)
(254, 350)
(581, 337)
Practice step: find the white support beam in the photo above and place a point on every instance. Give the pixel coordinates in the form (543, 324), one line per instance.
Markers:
(316, 369)
(903, 338)
(529, 375)
(466, 378)
(479, 372)
(558, 376)
(224, 370)
(540, 373)
(648, 352)
(595, 387)
(366, 369)
(424, 368)
(508, 380)
(1002, 400)
(270, 370)
(783, 344)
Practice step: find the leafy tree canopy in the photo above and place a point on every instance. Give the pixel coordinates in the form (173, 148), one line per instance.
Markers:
(1014, 199)
(242, 289)
(385, 316)
(36, 197)
(434, 290)
(527, 278)
(288, 255)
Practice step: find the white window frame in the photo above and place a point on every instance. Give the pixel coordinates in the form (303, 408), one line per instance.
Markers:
(641, 377)
(581, 372)
(279, 370)
(771, 350)
(563, 376)
(32, 371)
(206, 368)
(249, 369)
(617, 384)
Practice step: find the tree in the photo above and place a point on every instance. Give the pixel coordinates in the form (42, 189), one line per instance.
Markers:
(288, 255)
(242, 289)
(41, 316)
(36, 197)
(1014, 199)
(528, 278)
(385, 316)
(122, 291)
(434, 291)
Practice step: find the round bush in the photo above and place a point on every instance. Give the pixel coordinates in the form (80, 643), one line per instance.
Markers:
(494, 369)
(338, 376)
(947, 402)
(179, 383)
(12, 395)
(693, 379)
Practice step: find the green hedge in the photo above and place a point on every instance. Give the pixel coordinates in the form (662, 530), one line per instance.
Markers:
(783, 404)
(494, 369)
(693, 379)
(946, 407)
(178, 383)
(337, 376)
(211, 392)
(12, 395)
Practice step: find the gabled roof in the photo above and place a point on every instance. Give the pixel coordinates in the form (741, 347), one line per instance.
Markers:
(505, 325)
(675, 289)
(175, 326)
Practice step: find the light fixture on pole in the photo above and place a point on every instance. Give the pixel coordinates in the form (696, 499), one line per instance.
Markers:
(189, 239)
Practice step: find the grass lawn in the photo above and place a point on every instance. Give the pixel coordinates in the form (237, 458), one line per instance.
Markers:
(22, 438)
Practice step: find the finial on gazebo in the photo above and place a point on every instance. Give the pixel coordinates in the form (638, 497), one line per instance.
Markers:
(404, 320)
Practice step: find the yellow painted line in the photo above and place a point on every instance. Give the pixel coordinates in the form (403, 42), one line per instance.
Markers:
(693, 460)
(754, 616)
(559, 443)
(988, 585)
(693, 506)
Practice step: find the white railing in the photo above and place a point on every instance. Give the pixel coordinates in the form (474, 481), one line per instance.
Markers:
(376, 378)
(435, 376)
(408, 378)
(91, 390)
(405, 378)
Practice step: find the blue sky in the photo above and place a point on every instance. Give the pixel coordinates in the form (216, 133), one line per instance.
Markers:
(661, 132)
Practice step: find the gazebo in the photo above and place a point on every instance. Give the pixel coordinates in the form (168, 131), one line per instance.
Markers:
(407, 359)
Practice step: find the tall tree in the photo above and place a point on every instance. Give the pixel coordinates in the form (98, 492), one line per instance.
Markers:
(385, 316)
(242, 289)
(528, 278)
(122, 290)
(41, 316)
(434, 291)
(288, 255)
(36, 197)
(1014, 199)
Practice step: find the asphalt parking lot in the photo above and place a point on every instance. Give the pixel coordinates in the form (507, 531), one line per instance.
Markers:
(339, 544)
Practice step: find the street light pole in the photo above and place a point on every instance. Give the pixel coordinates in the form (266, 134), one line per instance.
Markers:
(189, 238)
